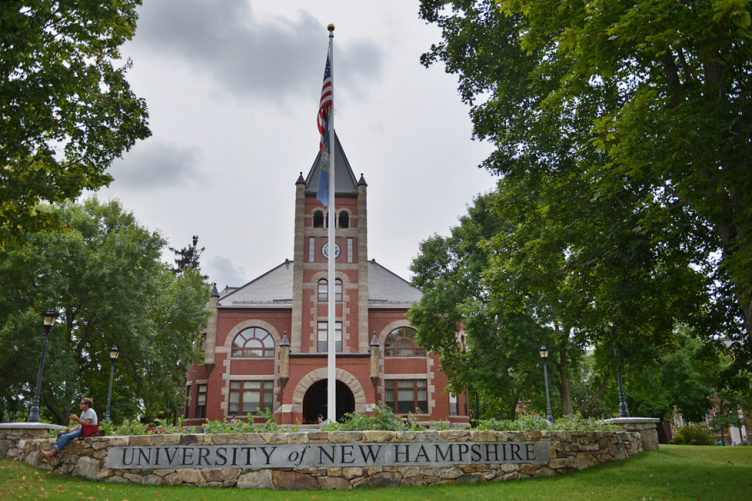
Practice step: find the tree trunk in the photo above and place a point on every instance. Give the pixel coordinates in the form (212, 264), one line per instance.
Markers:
(60, 416)
(598, 393)
(564, 389)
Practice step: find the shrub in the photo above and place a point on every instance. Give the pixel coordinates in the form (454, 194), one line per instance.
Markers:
(528, 422)
(694, 434)
(268, 426)
(383, 419)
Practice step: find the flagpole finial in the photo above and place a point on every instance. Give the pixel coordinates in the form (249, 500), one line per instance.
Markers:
(330, 27)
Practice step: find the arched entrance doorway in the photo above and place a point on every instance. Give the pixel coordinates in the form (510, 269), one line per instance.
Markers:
(315, 401)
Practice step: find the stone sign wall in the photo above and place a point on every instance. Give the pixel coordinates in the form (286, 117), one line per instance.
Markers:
(326, 460)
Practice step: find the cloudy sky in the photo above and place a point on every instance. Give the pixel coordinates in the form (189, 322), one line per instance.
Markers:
(233, 87)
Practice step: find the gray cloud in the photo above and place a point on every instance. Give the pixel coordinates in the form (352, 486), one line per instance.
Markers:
(244, 56)
(156, 165)
(224, 272)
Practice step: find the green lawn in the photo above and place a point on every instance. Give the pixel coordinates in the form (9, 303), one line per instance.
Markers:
(674, 472)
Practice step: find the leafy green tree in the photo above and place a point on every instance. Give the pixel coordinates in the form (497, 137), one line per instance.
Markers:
(646, 102)
(498, 358)
(66, 109)
(105, 278)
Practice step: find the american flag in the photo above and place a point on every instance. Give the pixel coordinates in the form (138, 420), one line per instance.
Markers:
(326, 103)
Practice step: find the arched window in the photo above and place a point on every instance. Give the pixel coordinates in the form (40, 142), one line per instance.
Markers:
(253, 342)
(401, 343)
(318, 219)
(344, 219)
(324, 290)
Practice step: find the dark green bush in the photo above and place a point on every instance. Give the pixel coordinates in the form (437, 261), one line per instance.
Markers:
(694, 434)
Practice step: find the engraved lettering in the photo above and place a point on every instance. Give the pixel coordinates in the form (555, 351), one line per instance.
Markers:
(187, 454)
(369, 455)
(449, 452)
(492, 448)
(346, 451)
(475, 452)
(462, 450)
(174, 453)
(144, 454)
(322, 453)
(203, 454)
(530, 449)
(397, 453)
(422, 454)
(515, 451)
(269, 454)
(221, 456)
(125, 451)
(248, 453)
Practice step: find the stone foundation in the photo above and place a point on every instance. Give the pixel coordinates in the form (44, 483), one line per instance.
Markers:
(569, 451)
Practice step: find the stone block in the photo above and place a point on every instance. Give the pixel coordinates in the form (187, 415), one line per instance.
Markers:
(450, 472)
(336, 437)
(454, 435)
(153, 480)
(334, 483)
(87, 468)
(139, 440)
(351, 473)
(419, 480)
(191, 476)
(132, 478)
(383, 479)
(470, 478)
(378, 436)
(298, 438)
(585, 460)
(544, 472)
(293, 480)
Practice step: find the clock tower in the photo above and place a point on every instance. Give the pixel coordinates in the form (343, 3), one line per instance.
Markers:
(310, 280)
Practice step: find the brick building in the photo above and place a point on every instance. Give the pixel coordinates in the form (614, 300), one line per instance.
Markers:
(266, 345)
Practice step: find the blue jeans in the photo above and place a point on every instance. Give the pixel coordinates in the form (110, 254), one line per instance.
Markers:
(63, 440)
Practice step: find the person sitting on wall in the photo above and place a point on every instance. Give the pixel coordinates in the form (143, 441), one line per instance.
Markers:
(88, 418)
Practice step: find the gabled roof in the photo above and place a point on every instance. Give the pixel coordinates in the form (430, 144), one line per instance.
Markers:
(344, 179)
(388, 290)
(273, 289)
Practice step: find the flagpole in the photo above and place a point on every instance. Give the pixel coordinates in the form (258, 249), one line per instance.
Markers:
(331, 321)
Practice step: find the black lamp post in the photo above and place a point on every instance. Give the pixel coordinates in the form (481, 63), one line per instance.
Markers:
(544, 356)
(623, 411)
(114, 353)
(169, 388)
(49, 320)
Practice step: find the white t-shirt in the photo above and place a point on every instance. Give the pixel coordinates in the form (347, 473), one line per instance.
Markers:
(89, 414)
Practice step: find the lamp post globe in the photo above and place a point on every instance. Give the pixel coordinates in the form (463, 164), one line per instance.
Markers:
(48, 319)
(114, 354)
(543, 352)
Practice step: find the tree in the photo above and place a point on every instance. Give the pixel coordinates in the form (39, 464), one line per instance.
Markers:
(105, 278)
(188, 258)
(649, 102)
(66, 110)
(499, 359)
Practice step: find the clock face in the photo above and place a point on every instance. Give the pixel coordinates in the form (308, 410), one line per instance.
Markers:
(325, 250)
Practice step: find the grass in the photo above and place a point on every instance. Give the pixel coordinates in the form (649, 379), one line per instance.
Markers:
(674, 472)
